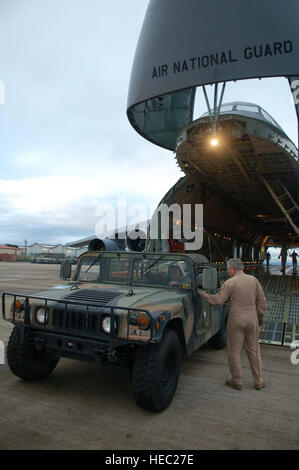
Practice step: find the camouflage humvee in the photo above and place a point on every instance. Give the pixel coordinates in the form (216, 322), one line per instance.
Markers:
(138, 310)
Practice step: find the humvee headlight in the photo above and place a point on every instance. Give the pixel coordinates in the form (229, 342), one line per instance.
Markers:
(133, 317)
(140, 319)
(143, 321)
(106, 325)
(42, 316)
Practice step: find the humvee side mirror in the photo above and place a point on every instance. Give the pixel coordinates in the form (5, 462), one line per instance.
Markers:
(66, 270)
(209, 278)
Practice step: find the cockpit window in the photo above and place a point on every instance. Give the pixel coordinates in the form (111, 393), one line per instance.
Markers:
(242, 107)
(269, 118)
(226, 108)
(247, 108)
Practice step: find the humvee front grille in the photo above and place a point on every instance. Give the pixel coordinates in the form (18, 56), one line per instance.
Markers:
(76, 321)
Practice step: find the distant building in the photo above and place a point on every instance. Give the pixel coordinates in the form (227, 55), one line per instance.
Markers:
(58, 250)
(39, 249)
(73, 252)
(9, 253)
(43, 249)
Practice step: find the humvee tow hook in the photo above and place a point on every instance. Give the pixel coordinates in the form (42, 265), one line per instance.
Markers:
(110, 354)
(98, 355)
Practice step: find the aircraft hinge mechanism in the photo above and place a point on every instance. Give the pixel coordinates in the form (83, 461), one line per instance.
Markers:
(214, 113)
(285, 202)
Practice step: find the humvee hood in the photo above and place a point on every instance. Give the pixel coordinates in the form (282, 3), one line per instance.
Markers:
(149, 298)
(152, 299)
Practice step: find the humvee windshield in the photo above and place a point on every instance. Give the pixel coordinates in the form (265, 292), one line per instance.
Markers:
(104, 269)
(150, 271)
(161, 272)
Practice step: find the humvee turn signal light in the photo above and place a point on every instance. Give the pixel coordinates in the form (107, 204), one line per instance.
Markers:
(19, 306)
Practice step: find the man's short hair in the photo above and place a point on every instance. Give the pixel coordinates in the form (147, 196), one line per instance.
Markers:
(235, 263)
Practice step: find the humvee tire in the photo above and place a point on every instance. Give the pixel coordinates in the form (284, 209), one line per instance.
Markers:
(156, 372)
(25, 361)
(219, 340)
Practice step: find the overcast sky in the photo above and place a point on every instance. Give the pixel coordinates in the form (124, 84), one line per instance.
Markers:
(66, 143)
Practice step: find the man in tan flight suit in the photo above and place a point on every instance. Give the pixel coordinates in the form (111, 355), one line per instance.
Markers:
(247, 305)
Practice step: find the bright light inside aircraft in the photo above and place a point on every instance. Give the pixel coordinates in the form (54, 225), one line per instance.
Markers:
(214, 142)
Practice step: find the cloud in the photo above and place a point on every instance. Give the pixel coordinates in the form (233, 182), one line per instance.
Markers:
(61, 207)
(66, 143)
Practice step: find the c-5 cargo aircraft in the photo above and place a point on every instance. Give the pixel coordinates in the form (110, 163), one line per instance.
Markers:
(247, 180)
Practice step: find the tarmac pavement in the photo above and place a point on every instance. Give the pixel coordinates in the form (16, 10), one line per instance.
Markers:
(83, 406)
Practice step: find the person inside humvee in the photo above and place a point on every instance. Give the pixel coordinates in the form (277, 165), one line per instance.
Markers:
(176, 276)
